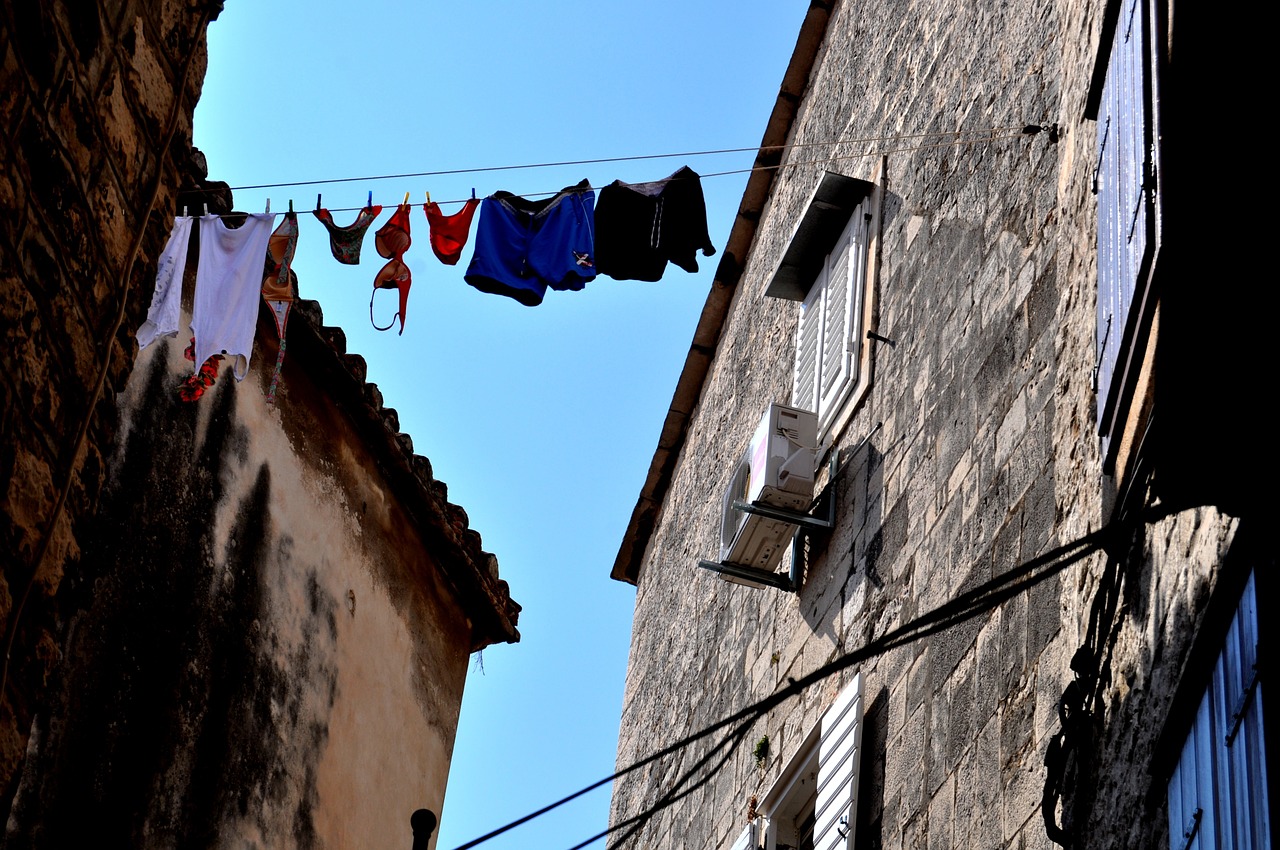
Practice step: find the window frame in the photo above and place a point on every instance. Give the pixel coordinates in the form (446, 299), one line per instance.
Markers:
(827, 330)
(830, 222)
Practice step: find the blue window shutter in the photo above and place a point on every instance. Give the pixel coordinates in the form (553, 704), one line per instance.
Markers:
(1217, 795)
(1123, 151)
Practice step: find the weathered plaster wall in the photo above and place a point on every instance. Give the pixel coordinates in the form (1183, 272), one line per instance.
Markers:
(95, 126)
(986, 458)
(266, 652)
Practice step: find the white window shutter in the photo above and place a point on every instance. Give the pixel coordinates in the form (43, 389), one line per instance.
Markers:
(749, 839)
(804, 389)
(839, 755)
(838, 362)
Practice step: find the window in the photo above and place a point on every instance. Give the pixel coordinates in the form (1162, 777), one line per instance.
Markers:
(1125, 184)
(813, 804)
(827, 337)
(1217, 794)
(828, 268)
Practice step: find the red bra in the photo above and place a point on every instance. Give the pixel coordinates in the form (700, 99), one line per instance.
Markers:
(392, 240)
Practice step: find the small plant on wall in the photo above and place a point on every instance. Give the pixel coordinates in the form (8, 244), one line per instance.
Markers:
(761, 752)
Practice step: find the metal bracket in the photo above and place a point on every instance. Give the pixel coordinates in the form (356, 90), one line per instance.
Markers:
(805, 523)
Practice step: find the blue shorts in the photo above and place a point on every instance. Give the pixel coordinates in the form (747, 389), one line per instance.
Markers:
(524, 247)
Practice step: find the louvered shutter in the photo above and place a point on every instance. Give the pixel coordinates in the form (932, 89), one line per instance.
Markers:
(804, 390)
(839, 754)
(749, 839)
(839, 361)
(1217, 795)
(1123, 150)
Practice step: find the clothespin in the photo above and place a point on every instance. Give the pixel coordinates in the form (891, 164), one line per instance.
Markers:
(206, 207)
(184, 210)
(291, 205)
(428, 197)
(369, 203)
(268, 205)
(317, 201)
(473, 193)
(406, 198)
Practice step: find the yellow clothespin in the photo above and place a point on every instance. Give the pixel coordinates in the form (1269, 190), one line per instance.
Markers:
(406, 198)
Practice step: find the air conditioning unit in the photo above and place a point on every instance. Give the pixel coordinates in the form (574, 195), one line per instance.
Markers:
(777, 470)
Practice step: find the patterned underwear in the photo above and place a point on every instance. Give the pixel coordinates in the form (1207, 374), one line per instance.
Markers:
(345, 242)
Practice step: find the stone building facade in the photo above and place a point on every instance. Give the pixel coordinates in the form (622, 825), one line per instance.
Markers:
(1006, 636)
(230, 622)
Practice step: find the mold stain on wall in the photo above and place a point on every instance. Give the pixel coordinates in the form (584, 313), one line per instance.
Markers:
(180, 707)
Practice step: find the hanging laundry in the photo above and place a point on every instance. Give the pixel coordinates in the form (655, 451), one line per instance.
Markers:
(523, 247)
(195, 385)
(345, 242)
(392, 240)
(640, 226)
(449, 232)
(228, 280)
(166, 301)
(277, 288)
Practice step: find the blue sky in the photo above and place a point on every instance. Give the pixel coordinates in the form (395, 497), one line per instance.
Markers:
(542, 421)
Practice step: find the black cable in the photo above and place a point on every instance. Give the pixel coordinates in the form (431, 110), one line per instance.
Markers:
(730, 744)
(966, 606)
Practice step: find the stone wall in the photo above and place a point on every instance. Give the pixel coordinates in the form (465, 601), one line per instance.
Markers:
(95, 130)
(986, 458)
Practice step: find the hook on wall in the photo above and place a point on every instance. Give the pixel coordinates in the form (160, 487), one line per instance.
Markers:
(878, 338)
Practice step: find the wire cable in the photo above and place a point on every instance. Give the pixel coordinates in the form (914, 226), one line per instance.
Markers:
(774, 167)
(599, 160)
(966, 606)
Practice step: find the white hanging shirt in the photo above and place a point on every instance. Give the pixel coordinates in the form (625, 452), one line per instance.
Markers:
(166, 302)
(228, 283)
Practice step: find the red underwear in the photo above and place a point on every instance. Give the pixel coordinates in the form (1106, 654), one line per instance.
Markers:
(449, 232)
(392, 240)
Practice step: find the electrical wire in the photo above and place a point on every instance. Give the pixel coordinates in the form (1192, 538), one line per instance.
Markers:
(982, 599)
(599, 160)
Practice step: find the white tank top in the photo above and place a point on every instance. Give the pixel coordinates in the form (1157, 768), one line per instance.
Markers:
(228, 282)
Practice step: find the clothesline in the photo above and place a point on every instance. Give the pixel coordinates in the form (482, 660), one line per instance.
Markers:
(523, 249)
(1022, 130)
(1007, 134)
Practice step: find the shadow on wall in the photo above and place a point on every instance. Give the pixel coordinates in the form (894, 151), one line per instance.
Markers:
(169, 717)
(840, 566)
(870, 802)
